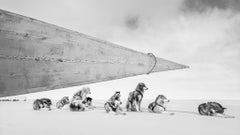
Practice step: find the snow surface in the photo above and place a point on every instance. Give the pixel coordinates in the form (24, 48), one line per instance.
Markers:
(18, 118)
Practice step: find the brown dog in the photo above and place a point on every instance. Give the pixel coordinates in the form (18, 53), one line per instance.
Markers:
(135, 98)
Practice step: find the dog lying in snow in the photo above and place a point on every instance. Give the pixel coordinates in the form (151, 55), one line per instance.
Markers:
(158, 106)
(113, 104)
(42, 103)
(213, 109)
(135, 98)
(62, 102)
(78, 99)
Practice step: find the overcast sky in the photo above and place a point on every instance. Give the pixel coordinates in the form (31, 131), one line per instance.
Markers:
(203, 34)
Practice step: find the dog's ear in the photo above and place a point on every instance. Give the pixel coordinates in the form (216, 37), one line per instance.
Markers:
(117, 92)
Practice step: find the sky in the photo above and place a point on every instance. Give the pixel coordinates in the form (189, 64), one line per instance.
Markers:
(203, 34)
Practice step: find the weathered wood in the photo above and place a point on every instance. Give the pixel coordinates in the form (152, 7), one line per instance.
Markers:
(37, 56)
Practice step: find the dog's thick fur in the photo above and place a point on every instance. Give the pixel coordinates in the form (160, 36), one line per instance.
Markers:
(158, 106)
(78, 98)
(113, 104)
(62, 102)
(135, 98)
(77, 105)
(130, 105)
(213, 109)
(42, 103)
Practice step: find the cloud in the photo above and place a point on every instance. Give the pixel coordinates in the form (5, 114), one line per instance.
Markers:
(132, 22)
(208, 5)
(204, 34)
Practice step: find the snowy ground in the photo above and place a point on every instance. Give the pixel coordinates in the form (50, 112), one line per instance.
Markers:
(18, 118)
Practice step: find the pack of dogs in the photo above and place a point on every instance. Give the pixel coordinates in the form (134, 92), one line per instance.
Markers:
(82, 102)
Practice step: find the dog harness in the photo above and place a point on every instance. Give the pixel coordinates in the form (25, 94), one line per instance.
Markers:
(140, 92)
(155, 104)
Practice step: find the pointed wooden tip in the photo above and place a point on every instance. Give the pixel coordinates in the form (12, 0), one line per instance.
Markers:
(164, 65)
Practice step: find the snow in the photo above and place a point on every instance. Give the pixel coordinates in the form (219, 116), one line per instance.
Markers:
(18, 118)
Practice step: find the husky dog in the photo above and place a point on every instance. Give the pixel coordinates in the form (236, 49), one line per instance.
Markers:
(158, 106)
(62, 102)
(77, 105)
(130, 106)
(213, 109)
(78, 98)
(135, 98)
(42, 103)
(113, 104)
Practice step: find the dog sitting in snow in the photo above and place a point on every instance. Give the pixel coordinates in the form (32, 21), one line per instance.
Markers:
(78, 98)
(135, 98)
(62, 102)
(158, 106)
(113, 104)
(130, 105)
(213, 109)
(42, 103)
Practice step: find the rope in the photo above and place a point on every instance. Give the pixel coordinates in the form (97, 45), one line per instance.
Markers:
(155, 59)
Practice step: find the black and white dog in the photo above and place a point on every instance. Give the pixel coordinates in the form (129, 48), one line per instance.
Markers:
(78, 99)
(135, 98)
(113, 104)
(213, 109)
(42, 103)
(158, 106)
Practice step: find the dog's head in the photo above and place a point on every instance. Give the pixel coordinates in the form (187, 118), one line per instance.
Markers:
(161, 99)
(66, 99)
(141, 86)
(88, 100)
(117, 95)
(82, 93)
(86, 90)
